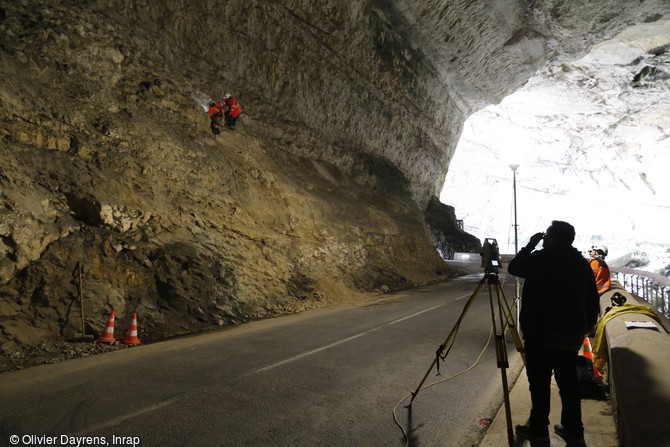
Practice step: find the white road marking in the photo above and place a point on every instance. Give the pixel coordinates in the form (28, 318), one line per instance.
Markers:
(141, 411)
(345, 340)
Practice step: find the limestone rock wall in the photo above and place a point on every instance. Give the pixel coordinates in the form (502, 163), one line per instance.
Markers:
(352, 112)
(395, 78)
(342, 69)
(107, 163)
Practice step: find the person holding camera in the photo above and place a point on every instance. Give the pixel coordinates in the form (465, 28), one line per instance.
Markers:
(559, 306)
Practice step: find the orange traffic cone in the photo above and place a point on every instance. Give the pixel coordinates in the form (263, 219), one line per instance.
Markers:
(131, 337)
(108, 335)
(588, 353)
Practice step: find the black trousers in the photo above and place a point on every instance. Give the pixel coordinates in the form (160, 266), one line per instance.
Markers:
(540, 362)
(231, 121)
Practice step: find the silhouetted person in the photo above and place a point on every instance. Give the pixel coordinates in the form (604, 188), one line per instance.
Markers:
(559, 306)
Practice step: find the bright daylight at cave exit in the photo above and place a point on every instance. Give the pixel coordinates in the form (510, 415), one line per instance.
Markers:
(592, 142)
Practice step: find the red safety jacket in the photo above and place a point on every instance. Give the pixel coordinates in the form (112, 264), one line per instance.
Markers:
(234, 108)
(602, 274)
(216, 110)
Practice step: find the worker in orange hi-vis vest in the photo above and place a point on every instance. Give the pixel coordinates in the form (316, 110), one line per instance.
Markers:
(600, 268)
(216, 114)
(233, 110)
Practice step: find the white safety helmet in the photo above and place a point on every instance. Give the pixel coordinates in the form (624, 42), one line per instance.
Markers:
(601, 249)
(227, 95)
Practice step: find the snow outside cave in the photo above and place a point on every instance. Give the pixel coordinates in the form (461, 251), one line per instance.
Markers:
(592, 139)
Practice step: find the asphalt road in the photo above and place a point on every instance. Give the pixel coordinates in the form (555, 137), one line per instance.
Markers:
(330, 377)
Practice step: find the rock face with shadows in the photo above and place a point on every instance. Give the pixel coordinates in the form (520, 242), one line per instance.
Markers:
(352, 110)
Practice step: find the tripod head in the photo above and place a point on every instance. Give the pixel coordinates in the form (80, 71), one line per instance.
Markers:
(490, 256)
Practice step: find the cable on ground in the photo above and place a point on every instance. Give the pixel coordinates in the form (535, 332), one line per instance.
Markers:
(395, 418)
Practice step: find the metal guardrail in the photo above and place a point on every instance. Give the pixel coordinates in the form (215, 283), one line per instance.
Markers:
(653, 288)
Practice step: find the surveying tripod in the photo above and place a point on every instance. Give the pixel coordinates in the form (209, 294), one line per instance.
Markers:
(502, 321)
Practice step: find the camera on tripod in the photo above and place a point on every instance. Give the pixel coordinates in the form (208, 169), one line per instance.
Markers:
(490, 255)
(502, 320)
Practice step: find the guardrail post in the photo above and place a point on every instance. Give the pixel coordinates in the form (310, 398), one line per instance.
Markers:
(652, 287)
(647, 291)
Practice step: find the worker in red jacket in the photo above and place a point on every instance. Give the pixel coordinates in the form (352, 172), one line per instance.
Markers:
(233, 110)
(216, 114)
(600, 268)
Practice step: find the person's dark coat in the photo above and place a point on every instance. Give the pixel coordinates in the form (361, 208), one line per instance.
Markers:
(559, 302)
